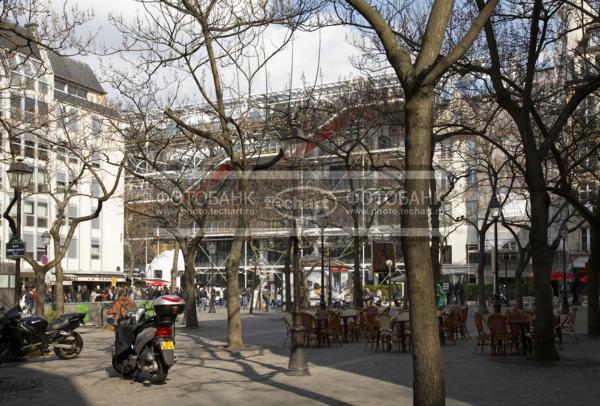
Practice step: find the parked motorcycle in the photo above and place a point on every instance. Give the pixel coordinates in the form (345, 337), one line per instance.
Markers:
(147, 345)
(22, 336)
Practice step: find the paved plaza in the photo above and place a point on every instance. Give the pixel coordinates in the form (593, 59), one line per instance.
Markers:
(339, 375)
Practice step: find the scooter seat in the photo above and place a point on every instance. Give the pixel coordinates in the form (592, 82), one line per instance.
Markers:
(58, 324)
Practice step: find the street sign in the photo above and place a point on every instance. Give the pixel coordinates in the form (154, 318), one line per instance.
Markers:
(44, 259)
(15, 248)
(113, 281)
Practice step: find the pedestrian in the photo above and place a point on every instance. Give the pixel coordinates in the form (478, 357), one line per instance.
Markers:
(265, 297)
(213, 297)
(93, 296)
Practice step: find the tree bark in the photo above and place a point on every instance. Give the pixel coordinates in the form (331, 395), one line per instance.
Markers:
(593, 320)
(287, 270)
(234, 322)
(58, 273)
(428, 367)
(544, 347)
(40, 292)
(191, 316)
(481, 292)
(175, 267)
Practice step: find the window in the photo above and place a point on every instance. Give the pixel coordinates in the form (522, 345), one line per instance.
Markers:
(29, 148)
(95, 221)
(60, 85)
(585, 239)
(158, 274)
(29, 115)
(42, 112)
(447, 254)
(16, 145)
(586, 192)
(95, 190)
(95, 249)
(61, 182)
(72, 251)
(472, 211)
(29, 243)
(96, 160)
(16, 110)
(72, 213)
(42, 151)
(42, 88)
(42, 214)
(41, 248)
(29, 212)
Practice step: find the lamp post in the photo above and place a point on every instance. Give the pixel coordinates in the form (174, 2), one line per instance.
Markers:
(19, 177)
(564, 303)
(389, 264)
(297, 366)
(323, 224)
(46, 238)
(212, 250)
(496, 212)
(329, 276)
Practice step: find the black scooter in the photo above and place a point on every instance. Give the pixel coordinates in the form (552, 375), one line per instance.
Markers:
(147, 345)
(22, 336)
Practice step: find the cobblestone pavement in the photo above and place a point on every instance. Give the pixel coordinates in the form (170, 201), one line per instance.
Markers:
(339, 375)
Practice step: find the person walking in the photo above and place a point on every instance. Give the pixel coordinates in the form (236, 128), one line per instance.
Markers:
(213, 297)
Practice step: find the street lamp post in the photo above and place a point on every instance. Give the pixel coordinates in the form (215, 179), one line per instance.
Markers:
(496, 212)
(323, 224)
(329, 276)
(19, 177)
(564, 303)
(389, 263)
(212, 250)
(297, 366)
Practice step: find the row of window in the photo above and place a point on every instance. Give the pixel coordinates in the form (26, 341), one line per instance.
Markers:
(36, 214)
(41, 249)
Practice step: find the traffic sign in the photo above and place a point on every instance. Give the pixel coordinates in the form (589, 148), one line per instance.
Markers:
(15, 248)
(113, 281)
(44, 259)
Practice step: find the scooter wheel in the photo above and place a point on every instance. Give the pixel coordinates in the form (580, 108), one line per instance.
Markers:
(77, 342)
(161, 374)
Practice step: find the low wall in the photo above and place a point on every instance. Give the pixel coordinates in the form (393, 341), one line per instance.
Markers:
(93, 310)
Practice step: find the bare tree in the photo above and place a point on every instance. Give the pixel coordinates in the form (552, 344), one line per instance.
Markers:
(418, 77)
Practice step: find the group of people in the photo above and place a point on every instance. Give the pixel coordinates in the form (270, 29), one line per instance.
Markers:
(209, 297)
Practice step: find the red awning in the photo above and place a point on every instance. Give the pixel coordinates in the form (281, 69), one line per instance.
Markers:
(157, 283)
(582, 274)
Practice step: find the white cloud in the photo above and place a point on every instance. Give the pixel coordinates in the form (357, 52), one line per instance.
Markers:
(335, 51)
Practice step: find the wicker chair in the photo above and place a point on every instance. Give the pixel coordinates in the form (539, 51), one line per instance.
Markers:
(448, 327)
(353, 325)
(386, 332)
(498, 324)
(308, 321)
(371, 330)
(482, 335)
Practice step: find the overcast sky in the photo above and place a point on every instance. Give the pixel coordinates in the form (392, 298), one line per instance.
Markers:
(335, 49)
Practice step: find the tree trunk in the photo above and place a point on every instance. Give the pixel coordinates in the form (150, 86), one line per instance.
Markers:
(40, 292)
(234, 322)
(356, 276)
(519, 280)
(544, 347)
(481, 293)
(287, 271)
(175, 267)
(428, 367)
(592, 287)
(435, 230)
(58, 273)
(191, 317)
